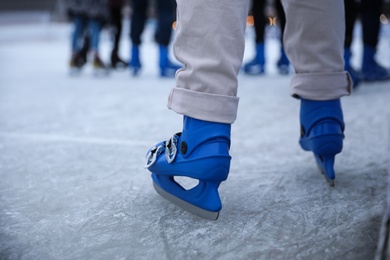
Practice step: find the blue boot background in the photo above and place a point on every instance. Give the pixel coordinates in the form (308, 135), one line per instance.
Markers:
(371, 70)
(167, 67)
(135, 63)
(257, 65)
(355, 75)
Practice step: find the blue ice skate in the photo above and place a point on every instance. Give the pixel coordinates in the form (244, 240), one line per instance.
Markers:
(200, 152)
(322, 132)
(167, 67)
(135, 63)
(257, 65)
(355, 75)
(283, 63)
(371, 70)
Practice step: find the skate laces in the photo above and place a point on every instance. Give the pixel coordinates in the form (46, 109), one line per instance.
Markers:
(169, 147)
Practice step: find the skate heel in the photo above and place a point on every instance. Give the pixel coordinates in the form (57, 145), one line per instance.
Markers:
(322, 132)
(202, 200)
(325, 141)
(200, 152)
(324, 138)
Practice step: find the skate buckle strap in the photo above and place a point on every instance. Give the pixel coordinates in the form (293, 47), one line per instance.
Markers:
(151, 157)
(170, 148)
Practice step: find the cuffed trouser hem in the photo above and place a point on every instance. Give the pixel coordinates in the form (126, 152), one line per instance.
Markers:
(321, 86)
(204, 106)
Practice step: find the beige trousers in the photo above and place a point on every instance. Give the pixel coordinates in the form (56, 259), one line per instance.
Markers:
(210, 43)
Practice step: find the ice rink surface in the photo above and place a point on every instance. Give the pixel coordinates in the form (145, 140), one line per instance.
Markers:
(73, 186)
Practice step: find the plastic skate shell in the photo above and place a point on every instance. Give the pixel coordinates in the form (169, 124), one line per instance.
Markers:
(322, 128)
(200, 152)
(135, 63)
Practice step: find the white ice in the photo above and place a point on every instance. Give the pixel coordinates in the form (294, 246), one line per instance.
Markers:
(73, 186)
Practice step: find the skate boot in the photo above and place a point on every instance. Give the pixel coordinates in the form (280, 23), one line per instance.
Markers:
(167, 68)
(116, 62)
(283, 63)
(257, 65)
(76, 62)
(322, 128)
(135, 64)
(371, 70)
(100, 69)
(355, 75)
(200, 152)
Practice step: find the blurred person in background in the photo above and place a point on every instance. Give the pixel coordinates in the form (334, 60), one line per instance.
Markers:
(369, 11)
(166, 15)
(88, 17)
(116, 18)
(256, 66)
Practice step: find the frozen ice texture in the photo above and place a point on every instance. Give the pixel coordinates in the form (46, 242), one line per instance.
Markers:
(73, 186)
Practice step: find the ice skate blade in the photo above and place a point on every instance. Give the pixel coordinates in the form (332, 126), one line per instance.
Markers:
(211, 215)
(329, 181)
(325, 165)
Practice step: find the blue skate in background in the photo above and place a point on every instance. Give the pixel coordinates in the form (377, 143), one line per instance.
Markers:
(257, 65)
(322, 128)
(371, 70)
(200, 152)
(283, 63)
(135, 63)
(167, 67)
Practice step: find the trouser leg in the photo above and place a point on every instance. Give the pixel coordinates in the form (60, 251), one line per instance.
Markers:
(138, 20)
(166, 17)
(317, 60)
(259, 19)
(116, 21)
(370, 12)
(351, 11)
(95, 27)
(78, 31)
(206, 87)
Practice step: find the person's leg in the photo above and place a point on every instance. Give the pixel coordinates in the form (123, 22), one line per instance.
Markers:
(79, 25)
(137, 27)
(210, 43)
(283, 63)
(256, 66)
(78, 31)
(206, 87)
(371, 70)
(320, 78)
(351, 11)
(95, 27)
(166, 10)
(116, 23)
